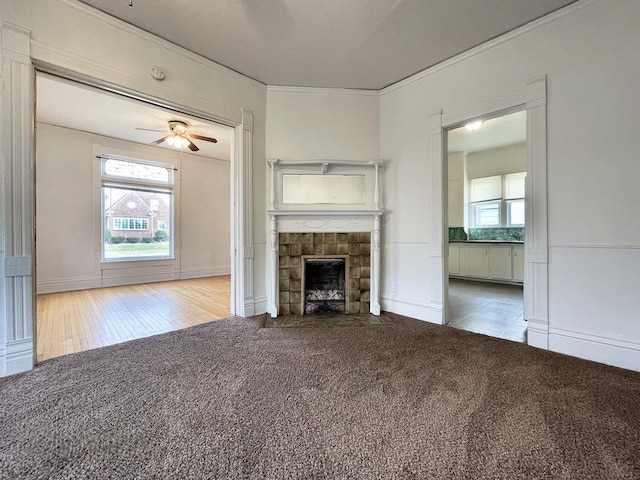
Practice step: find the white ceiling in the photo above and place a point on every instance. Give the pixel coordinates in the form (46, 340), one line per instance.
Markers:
(80, 107)
(495, 132)
(367, 44)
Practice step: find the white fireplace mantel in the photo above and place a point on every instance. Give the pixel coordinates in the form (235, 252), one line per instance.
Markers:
(360, 216)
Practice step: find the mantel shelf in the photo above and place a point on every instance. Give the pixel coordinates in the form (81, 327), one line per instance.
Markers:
(360, 163)
(324, 212)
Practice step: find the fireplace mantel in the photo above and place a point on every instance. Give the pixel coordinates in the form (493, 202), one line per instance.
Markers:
(362, 215)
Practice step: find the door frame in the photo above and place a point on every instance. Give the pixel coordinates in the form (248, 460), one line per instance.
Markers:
(533, 98)
(17, 230)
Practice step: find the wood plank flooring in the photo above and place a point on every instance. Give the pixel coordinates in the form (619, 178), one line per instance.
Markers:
(71, 322)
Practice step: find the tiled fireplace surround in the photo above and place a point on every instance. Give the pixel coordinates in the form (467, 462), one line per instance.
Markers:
(294, 247)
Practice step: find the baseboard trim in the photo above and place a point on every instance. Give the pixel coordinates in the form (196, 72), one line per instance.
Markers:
(425, 312)
(68, 284)
(598, 349)
(202, 272)
(19, 356)
(260, 305)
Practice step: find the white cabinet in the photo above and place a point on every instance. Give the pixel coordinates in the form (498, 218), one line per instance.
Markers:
(500, 262)
(485, 260)
(518, 263)
(454, 258)
(474, 260)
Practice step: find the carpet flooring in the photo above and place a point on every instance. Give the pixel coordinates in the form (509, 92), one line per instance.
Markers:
(400, 400)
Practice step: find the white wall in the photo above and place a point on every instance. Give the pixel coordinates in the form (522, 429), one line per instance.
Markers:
(68, 214)
(314, 123)
(594, 201)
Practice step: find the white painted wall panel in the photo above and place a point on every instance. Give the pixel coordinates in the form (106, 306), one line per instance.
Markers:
(322, 124)
(594, 291)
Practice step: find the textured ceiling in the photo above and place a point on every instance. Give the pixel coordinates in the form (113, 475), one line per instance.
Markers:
(366, 44)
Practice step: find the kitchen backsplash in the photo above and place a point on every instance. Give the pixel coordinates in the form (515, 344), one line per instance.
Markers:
(458, 234)
(505, 234)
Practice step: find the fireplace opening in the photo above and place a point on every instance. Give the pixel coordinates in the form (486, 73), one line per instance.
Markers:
(325, 285)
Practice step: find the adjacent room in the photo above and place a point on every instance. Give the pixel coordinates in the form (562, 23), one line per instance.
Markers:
(133, 227)
(487, 162)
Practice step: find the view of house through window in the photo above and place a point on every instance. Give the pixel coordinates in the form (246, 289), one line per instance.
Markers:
(137, 201)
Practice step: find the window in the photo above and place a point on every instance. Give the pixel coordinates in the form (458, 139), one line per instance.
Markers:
(497, 201)
(130, 223)
(137, 200)
(486, 214)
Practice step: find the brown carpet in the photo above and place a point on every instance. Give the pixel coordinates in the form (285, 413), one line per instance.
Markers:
(401, 400)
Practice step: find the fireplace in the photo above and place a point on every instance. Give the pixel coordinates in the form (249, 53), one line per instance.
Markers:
(325, 284)
(324, 223)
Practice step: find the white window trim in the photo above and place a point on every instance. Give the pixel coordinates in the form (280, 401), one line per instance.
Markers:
(168, 159)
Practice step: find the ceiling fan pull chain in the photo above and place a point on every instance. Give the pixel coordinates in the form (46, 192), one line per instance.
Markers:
(131, 3)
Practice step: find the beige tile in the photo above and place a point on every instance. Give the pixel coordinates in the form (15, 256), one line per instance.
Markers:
(354, 272)
(342, 249)
(284, 297)
(330, 238)
(364, 307)
(330, 249)
(342, 237)
(365, 237)
(354, 248)
(295, 249)
(307, 249)
(318, 238)
(353, 237)
(365, 272)
(318, 249)
(283, 249)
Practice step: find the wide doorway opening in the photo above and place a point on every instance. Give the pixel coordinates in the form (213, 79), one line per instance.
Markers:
(133, 218)
(486, 167)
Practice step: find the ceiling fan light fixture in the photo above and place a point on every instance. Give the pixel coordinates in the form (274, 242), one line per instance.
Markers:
(171, 140)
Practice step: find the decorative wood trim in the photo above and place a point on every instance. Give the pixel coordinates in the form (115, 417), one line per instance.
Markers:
(536, 285)
(16, 191)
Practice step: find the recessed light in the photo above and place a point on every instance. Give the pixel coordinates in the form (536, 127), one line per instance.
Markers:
(471, 126)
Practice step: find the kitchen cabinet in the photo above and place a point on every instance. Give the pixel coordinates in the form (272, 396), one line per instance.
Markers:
(454, 258)
(499, 261)
(474, 260)
(518, 263)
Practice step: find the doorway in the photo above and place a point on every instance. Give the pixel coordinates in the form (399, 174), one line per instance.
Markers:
(486, 167)
(99, 228)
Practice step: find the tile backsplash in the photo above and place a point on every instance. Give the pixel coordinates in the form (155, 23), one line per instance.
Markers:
(458, 234)
(505, 234)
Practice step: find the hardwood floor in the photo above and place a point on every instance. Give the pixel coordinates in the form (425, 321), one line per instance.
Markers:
(71, 322)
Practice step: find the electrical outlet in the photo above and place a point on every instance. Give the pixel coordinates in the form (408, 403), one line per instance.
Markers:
(394, 287)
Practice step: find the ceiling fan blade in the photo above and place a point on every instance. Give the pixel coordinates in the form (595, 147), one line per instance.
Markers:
(160, 140)
(200, 137)
(151, 129)
(192, 146)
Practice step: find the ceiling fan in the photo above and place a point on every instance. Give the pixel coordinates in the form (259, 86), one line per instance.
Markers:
(179, 136)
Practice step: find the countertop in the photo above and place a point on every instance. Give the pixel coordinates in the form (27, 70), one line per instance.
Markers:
(517, 242)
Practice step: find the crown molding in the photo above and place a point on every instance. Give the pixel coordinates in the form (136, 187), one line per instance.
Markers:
(128, 28)
(322, 90)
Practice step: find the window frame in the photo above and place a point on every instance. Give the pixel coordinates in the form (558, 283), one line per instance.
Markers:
(504, 206)
(143, 185)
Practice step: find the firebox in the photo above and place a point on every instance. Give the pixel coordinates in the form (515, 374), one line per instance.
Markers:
(325, 284)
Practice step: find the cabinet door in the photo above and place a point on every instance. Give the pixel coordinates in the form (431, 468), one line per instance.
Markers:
(500, 262)
(518, 263)
(474, 261)
(454, 259)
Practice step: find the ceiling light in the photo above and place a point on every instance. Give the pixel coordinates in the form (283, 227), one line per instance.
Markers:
(171, 140)
(472, 126)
